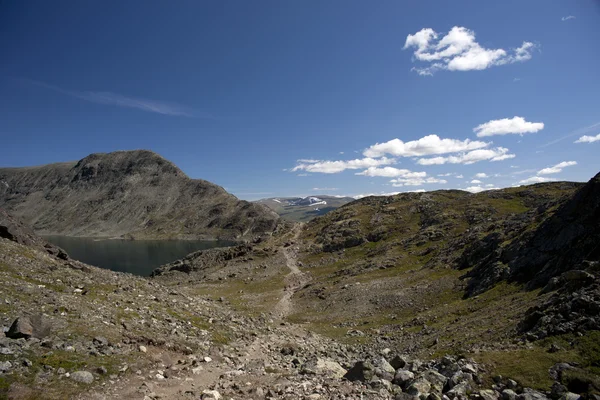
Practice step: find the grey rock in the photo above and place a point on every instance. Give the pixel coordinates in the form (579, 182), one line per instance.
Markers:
(419, 387)
(437, 381)
(459, 390)
(488, 394)
(361, 371)
(570, 396)
(211, 394)
(399, 361)
(5, 366)
(508, 394)
(22, 327)
(403, 377)
(82, 377)
(385, 366)
(530, 394)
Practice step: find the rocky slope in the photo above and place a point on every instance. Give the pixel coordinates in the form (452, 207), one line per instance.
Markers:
(412, 273)
(379, 299)
(131, 194)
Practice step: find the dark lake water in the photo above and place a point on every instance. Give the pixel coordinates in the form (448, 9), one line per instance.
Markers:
(137, 257)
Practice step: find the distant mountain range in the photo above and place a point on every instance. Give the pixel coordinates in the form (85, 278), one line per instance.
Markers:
(304, 208)
(130, 194)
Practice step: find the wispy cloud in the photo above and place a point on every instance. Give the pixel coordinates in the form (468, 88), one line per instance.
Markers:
(578, 132)
(119, 100)
(325, 189)
(568, 17)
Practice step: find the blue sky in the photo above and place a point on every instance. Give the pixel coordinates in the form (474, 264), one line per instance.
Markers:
(283, 98)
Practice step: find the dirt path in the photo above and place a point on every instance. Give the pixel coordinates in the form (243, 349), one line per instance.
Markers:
(191, 381)
(295, 280)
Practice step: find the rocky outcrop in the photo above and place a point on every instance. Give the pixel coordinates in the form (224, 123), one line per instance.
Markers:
(559, 243)
(130, 194)
(573, 308)
(16, 231)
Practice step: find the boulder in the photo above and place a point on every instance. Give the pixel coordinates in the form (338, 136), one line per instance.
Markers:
(419, 386)
(399, 361)
(362, 371)
(322, 366)
(82, 377)
(5, 366)
(211, 394)
(436, 380)
(22, 327)
(403, 377)
(384, 365)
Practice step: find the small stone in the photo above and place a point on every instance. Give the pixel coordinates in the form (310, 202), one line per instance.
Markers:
(101, 370)
(207, 359)
(82, 377)
(143, 349)
(100, 341)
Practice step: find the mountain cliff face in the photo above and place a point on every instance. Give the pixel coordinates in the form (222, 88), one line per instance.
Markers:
(568, 235)
(132, 194)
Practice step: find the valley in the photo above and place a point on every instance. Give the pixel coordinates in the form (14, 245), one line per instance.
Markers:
(303, 209)
(435, 295)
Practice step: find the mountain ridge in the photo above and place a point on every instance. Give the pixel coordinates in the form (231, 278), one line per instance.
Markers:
(129, 194)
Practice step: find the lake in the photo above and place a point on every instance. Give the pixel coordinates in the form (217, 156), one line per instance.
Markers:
(139, 257)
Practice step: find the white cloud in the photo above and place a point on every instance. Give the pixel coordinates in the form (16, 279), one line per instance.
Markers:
(557, 168)
(391, 172)
(476, 181)
(334, 167)
(497, 154)
(428, 145)
(459, 51)
(489, 185)
(535, 179)
(459, 176)
(567, 18)
(398, 182)
(308, 160)
(326, 189)
(481, 175)
(303, 174)
(478, 189)
(505, 126)
(588, 139)
(360, 196)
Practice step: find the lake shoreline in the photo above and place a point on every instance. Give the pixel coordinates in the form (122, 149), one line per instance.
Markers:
(138, 257)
